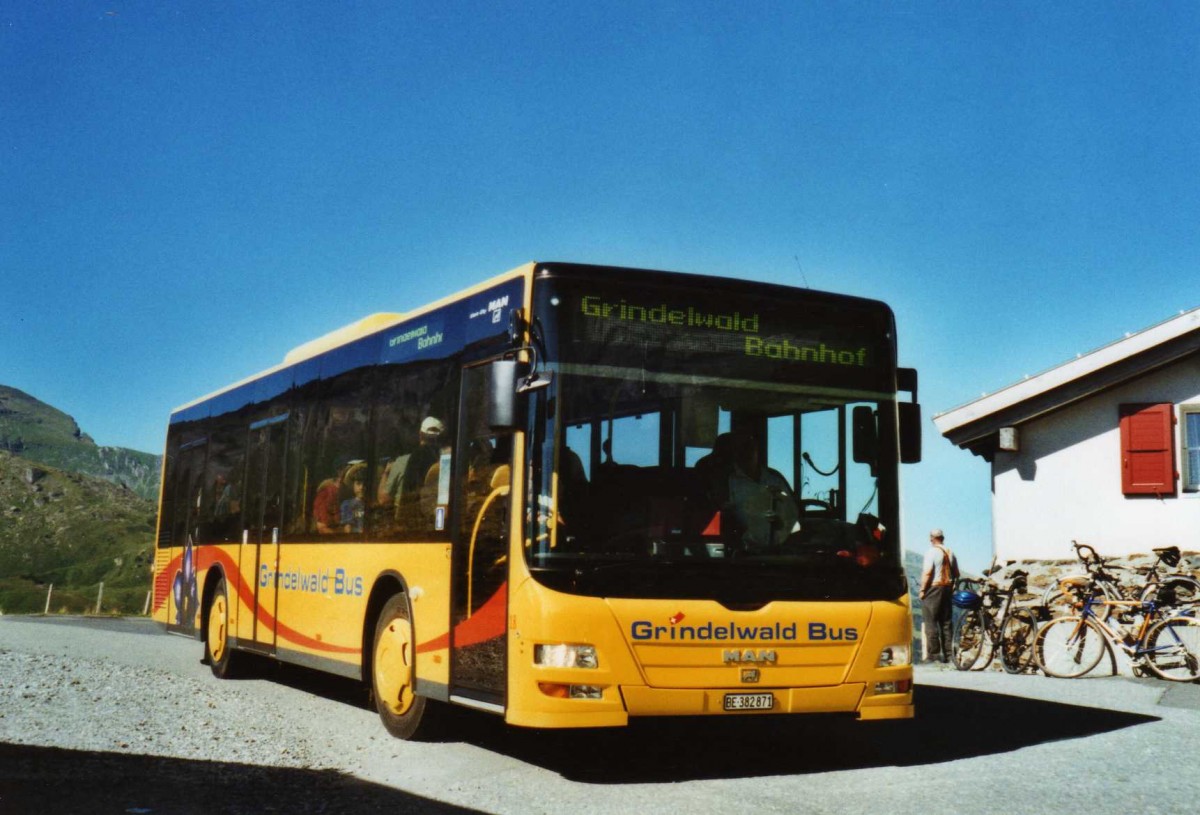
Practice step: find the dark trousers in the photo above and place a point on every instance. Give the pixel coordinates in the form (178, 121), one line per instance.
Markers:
(936, 609)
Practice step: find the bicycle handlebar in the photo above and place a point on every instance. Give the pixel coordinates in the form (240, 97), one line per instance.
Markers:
(1086, 553)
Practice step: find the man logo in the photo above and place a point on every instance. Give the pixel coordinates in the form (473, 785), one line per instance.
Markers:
(737, 656)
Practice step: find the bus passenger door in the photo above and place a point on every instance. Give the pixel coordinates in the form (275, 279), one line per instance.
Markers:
(183, 601)
(260, 535)
(479, 602)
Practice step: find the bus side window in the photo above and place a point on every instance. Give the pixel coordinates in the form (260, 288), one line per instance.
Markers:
(412, 446)
(340, 436)
(222, 510)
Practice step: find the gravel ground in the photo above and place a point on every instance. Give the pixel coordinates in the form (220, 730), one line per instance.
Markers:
(114, 717)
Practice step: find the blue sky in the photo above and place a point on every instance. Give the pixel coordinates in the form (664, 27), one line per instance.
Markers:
(189, 190)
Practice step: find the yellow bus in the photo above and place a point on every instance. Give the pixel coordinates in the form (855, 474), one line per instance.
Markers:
(567, 496)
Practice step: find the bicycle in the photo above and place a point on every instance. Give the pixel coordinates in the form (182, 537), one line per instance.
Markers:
(1168, 645)
(1172, 589)
(991, 617)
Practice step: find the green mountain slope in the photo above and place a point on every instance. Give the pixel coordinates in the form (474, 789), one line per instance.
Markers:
(74, 531)
(36, 431)
(72, 513)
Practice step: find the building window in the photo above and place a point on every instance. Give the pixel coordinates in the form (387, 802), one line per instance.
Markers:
(1148, 449)
(1189, 416)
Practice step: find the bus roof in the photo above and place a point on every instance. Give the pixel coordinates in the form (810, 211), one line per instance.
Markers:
(383, 320)
(340, 336)
(355, 331)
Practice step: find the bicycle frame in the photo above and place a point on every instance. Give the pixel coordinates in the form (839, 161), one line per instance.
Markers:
(1133, 645)
(1097, 573)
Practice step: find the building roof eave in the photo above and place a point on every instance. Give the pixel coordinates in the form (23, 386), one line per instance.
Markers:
(972, 424)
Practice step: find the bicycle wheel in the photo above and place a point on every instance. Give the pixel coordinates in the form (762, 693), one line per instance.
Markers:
(968, 642)
(1017, 637)
(987, 648)
(1069, 647)
(1173, 648)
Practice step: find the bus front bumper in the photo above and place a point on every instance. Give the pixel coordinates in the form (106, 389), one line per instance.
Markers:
(627, 701)
(848, 698)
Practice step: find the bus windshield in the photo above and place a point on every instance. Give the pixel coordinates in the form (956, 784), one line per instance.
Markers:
(735, 444)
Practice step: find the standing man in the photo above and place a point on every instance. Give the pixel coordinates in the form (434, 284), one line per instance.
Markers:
(938, 574)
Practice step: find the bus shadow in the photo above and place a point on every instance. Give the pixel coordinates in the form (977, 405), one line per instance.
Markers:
(671, 750)
(328, 686)
(49, 779)
(659, 750)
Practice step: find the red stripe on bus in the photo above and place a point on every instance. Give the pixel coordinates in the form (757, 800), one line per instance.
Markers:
(485, 624)
(205, 558)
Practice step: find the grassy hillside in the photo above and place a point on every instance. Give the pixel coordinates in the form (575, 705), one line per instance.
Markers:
(36, 431)
(74, 531)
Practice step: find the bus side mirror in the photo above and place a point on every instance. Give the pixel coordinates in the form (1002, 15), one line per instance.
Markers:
(504, 404)
(509, 381)
(910, 432)
(866, 436)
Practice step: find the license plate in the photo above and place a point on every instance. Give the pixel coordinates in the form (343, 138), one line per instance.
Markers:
(749, 701)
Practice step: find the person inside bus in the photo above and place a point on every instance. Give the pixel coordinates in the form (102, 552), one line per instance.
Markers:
(486, 504)
(480, 465)
(714, 470)
(760, 500)
(402, 482)
(225, 508)
(326, 509)
(572, 492)
(353, 509)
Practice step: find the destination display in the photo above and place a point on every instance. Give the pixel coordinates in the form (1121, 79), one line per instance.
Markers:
(776, 339)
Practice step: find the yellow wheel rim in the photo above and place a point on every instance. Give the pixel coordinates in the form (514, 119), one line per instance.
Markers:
(393, 667)
(217, 633)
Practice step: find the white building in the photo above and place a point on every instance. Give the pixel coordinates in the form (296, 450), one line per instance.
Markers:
(1104, 449)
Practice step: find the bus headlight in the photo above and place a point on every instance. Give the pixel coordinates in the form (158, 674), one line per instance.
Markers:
(894, 655)
(565, 656)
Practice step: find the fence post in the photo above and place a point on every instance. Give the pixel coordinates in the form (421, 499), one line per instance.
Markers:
(146, 608)
(99, 596)
(49, 591)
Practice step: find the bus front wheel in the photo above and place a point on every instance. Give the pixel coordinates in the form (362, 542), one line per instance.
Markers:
(218, 652)
(393, 675)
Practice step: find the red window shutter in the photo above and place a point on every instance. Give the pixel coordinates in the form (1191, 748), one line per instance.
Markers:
(1148, 449)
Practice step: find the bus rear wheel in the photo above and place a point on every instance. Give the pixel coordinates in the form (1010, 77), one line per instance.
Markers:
(393, 675)
(218, 652)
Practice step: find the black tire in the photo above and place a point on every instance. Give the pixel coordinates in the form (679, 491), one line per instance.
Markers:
(1068, 647)
(393, 676)
(1174, 593)
(969, 640)
(987, 648)
(1174, 645)
(1017, 638)
(218, 652)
